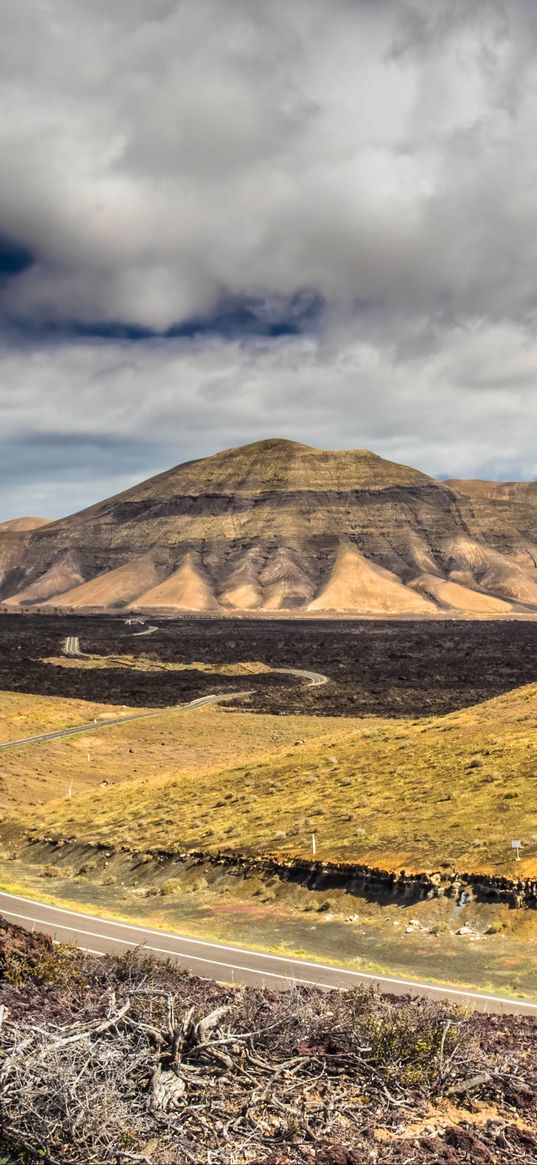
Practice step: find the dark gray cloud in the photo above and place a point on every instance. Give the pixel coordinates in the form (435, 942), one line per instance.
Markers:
(328, 208)
(158, 157)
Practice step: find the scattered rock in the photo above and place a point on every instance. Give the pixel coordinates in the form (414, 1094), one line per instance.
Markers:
(468, 1145)
(335, 1155)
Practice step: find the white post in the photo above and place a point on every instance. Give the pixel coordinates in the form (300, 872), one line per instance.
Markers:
(313, 844)
(70, 790)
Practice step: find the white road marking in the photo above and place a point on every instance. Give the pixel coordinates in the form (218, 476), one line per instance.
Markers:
(166, 951)
(314, 679)
(411, 984)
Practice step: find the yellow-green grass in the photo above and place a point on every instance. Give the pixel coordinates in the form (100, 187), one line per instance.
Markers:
(24, 715)
(174, 743)
(148, 664)
(447, 792)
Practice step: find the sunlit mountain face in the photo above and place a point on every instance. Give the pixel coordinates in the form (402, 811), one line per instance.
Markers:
(277, 526)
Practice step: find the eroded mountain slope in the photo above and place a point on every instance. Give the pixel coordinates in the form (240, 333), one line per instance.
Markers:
(279, 526)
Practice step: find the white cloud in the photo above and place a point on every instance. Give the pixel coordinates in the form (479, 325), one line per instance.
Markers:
(84, 420)
(160, 157)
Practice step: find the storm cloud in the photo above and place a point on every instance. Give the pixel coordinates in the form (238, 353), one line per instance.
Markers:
(233, 219)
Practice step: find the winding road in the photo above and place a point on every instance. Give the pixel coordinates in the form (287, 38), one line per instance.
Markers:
(314, 679)
(95, 725)
(229, 964)
(72, 647)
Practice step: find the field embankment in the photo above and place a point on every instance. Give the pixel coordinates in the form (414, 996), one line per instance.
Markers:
(445, 794)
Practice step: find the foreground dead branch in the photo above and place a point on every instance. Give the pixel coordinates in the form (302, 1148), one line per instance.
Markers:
(120, 1060)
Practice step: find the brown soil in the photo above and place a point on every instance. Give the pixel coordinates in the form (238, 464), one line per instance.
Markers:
(364, 1077)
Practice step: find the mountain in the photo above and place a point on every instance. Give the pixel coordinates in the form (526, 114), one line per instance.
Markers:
(22, 525)
(278, 526)
(505, 512)
(14, 537)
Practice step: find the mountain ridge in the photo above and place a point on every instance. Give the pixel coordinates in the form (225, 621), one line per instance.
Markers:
(280, 526)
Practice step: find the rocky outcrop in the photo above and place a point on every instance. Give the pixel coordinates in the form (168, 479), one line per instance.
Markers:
(355, 584)
(370, 882)
(64, 575)
(111, 589)
(14, 553)
(185, 589)
(504, 513)
(277, 526)
(381, 885)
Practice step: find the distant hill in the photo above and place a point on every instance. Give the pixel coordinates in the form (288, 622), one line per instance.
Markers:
(277, 526)
(22, 525)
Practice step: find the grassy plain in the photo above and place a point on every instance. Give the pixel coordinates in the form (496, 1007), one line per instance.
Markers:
(24, 715)
(146, 663)
(175, 744)
(448, 792)
(30, 774)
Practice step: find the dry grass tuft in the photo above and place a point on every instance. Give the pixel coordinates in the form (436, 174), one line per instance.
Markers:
(448, 792)
(173, 743)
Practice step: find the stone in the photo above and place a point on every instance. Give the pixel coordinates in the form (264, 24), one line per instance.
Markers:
(277, 525)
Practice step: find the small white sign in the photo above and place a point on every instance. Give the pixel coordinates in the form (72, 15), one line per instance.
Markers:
(516, 845)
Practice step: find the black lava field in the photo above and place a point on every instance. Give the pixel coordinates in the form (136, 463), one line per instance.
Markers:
(384, 668)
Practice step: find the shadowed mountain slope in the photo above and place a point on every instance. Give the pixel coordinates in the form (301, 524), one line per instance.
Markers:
(279, 526)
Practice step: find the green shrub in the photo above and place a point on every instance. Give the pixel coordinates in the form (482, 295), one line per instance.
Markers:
(57, 965)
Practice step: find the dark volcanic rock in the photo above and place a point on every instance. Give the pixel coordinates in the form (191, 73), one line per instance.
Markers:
(375, 667)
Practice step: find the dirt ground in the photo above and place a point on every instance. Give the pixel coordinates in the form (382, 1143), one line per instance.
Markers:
(152, 1065)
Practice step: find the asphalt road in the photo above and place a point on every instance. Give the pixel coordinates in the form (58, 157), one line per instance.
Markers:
(226, 964)
(72, 647)
(313, 679)
(98, 724)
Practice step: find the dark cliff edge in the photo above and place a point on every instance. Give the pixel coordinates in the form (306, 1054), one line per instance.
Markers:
(369, 882)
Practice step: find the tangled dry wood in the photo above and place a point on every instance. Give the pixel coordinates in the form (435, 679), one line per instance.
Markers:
(117, 1060)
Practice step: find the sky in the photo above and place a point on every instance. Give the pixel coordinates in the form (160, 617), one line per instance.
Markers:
(233, 219)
